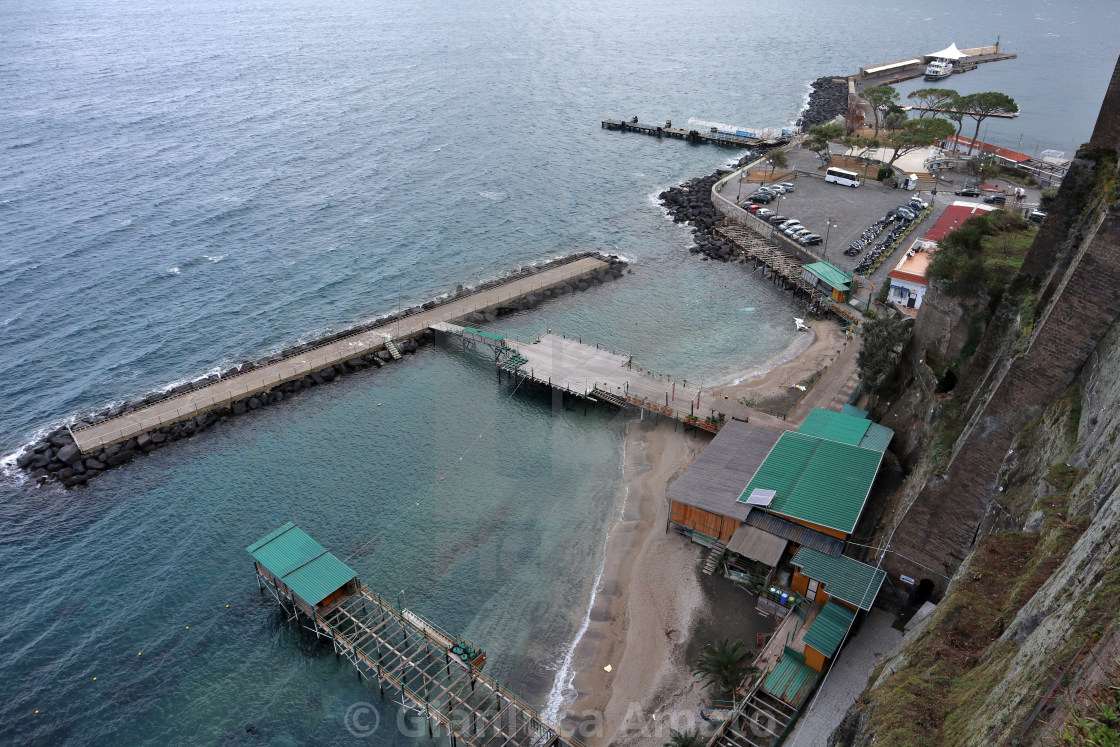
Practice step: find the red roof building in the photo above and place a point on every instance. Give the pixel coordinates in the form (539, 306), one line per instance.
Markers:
(968, 145)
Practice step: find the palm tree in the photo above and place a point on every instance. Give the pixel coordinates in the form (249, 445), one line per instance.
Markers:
(684, 739)
(725, 664)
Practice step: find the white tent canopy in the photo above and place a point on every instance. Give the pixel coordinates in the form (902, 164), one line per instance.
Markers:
(949, 53)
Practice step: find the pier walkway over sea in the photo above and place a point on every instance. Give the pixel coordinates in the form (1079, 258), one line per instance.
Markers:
(244, 384)
(436, 676)
(593, 373)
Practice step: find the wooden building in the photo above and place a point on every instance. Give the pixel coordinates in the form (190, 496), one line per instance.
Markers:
(829, 279)
(301, 571)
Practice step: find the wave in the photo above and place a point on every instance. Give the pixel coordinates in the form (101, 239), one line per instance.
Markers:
(496, 196)
(215, 258)
(174, 271)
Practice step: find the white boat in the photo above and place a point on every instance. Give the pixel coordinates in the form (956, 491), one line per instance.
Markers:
(939, 70)
(941, 63)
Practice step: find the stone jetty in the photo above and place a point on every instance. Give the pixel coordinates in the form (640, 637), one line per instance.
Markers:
(61, 457)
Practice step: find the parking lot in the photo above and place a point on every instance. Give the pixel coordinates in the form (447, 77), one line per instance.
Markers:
(817, 203)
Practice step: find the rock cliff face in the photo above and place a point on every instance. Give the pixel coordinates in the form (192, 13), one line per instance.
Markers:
(1012, 510)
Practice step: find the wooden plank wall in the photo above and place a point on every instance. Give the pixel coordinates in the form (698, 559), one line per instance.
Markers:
(715, 525)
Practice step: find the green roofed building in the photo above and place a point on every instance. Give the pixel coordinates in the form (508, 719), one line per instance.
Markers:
(854, 411)
(829, 279)
(843, 578)
(820, 483)
(847, 429)
(301, 570)
(824, 636)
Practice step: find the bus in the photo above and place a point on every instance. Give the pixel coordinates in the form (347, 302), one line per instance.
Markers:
(840, 176)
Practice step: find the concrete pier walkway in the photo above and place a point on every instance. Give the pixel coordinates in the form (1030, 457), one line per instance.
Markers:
(225, 391)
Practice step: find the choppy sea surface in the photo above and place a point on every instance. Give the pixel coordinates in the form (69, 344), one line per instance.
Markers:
(187, 185)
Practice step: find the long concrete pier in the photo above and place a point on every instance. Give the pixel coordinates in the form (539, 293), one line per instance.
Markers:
(590, 372)
(227, 390)
(709, 135)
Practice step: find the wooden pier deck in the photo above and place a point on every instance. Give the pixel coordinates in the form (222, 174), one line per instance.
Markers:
(224, 391)
(693, 136)
(590, 372)
(428, 672)
(398, 649)
(756, 247)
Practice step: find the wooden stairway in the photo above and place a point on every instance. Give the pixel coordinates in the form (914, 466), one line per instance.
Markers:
(760, 722)
(714, 556)
(393, 349)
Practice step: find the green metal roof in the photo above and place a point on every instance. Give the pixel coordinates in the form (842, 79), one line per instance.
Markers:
(854, 411)
(834, 426)
(818, 481)
(829, 628)
(481, 333)
(830, 274)
(791, 680)
(289, 554)
(877, 438)
(844, 578)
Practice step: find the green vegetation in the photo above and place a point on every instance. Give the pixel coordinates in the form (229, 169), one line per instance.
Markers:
(981, 106)
(819, 138)
(883, 341)
(1048, 195)
(983, 254)
(880, 97)
(778, 160)
(1097, 721)
(933, 98)
(685, 739)
(725, 664)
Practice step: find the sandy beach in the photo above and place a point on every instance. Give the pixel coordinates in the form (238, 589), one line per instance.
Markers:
(774, 385)
(652, 602)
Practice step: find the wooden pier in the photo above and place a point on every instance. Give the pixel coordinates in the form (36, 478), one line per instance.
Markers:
(263, 378)
(595, 374)
(437, 677)
(784, 267)
(710, 135)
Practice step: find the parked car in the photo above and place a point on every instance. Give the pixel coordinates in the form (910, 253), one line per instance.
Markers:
(918, 203)
(906, 212)
(796, 235)
(788, 186)
(777, 189)
(811, 239)
(752, 207)
(764, 212)
(995, 199)
(1036, 216)
(967, 192)
(792, 230)
(762, 198)
(789, 222)
(776, 219)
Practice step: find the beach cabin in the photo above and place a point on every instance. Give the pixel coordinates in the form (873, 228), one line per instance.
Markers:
(820, 578)
(300, 571)
(829, 629)
(828, 279)
(703, 502)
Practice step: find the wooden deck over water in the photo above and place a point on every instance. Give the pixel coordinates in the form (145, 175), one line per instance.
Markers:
(225, 391)
(589, 371)
(694, 136)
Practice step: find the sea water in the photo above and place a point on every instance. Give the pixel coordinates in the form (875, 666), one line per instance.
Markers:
(184, 186)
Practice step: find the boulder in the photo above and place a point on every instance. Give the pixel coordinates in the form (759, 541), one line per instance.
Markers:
(95, 464)
(239, 407)
(157, 438)
(143, 440)
(23, 461)
(254, 403)
(69, 454)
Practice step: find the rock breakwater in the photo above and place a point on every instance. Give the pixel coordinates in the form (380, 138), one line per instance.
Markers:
(827, 99)
(57, 458)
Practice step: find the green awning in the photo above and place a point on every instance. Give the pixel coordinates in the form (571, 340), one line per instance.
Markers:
(834, 426)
